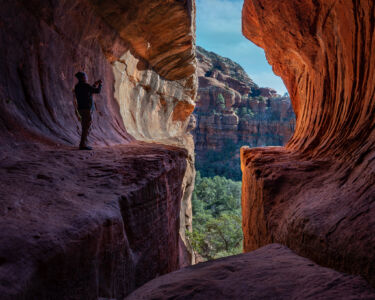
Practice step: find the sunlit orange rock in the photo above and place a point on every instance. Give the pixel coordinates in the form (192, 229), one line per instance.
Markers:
(317, 194)
(162, 32)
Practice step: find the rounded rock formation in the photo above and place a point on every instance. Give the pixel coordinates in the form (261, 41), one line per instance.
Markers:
(317, 194)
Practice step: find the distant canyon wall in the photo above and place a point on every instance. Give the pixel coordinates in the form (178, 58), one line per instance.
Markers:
(233, 111)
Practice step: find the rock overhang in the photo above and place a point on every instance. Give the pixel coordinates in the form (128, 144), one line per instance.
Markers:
(161, 32)
(322, 51)
(316, 194)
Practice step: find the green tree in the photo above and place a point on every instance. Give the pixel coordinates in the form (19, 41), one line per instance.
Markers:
(243, 111)
(261, 99)
(250, 113)
(220, 99)
(217, 228)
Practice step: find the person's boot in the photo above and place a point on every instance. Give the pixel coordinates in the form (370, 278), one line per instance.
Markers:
(86, 124)
(85, 148)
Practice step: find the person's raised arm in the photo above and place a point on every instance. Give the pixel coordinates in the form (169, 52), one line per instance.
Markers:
(97, 87)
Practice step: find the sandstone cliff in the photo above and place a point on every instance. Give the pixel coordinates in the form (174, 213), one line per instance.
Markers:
(317, 194)
(86, 225)
(233, 111)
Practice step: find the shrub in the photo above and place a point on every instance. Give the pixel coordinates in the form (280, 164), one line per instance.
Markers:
(220, 99)
(243, 111)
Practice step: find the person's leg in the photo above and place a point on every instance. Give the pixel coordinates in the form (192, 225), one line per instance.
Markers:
(86, 120)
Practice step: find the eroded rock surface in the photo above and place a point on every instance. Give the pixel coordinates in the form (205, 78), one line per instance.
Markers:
(161, 32)
(80, 225)
(317, 194)
(272, 272)
(76, 225)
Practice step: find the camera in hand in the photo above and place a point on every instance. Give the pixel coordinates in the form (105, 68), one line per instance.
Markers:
(98, 82)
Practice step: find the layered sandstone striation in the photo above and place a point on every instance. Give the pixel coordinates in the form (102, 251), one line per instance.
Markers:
(36, 89)
(79, 225)
(272, 272)
(233, 111)
(155, 78)
(87, 225)
(317, 194)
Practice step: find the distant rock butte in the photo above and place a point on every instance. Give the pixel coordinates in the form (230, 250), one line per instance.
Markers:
(232, 109)
(317, 194)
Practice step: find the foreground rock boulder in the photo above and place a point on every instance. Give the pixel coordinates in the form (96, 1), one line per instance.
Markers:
(79, 225)
(317, 194)
(272, 272)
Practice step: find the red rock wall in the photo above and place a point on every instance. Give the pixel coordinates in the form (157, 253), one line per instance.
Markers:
(41, 52)
(49, 43)
(147, 26)
(79, 225)
(317, 194)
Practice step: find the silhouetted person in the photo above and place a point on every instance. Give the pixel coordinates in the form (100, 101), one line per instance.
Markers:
(83, 92)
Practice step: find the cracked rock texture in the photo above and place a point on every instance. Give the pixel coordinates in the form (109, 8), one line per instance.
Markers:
(317, 195)
(78, 225)
(272, 272)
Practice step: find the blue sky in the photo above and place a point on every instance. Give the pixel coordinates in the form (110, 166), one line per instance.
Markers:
(219, 30)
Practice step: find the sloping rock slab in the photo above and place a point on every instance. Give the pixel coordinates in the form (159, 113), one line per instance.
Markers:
(271, 272)
(88, 224)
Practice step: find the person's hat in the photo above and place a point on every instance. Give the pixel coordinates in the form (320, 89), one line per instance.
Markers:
(80, 75)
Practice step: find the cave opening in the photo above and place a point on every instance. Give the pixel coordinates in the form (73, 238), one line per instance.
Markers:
(240, 102)
(100, 224)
